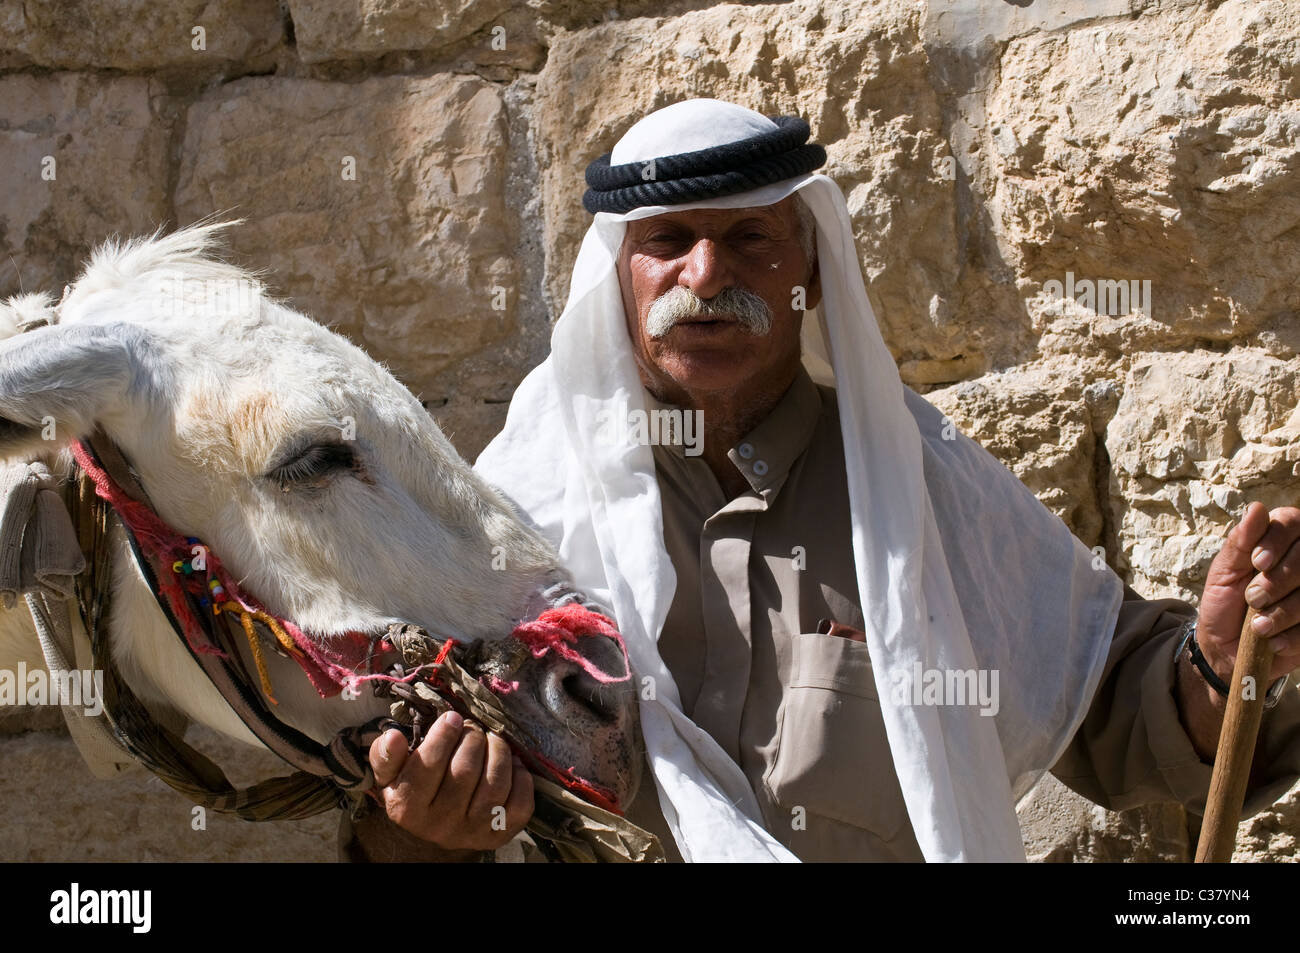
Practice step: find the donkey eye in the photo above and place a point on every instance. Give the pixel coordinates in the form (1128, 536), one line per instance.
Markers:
(313, 465)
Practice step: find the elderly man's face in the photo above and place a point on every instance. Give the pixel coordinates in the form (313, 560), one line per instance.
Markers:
(707, 251)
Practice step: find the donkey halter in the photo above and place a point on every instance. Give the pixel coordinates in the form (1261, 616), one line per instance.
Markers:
(574, 819)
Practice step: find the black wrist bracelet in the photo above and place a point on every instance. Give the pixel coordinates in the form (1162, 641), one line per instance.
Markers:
(1203, 666)
(1188, 643)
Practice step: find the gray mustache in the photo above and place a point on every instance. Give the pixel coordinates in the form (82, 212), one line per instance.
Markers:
(747, 307)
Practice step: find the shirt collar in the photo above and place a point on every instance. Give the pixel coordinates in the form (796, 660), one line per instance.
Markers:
(765, 455)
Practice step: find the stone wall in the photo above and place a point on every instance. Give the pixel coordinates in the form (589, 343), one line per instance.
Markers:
(409, 172)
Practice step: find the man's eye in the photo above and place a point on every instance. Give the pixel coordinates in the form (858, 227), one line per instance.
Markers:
(663, 240)
(313, 466)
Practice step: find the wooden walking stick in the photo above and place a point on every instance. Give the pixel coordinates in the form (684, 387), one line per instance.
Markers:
(1236, 748)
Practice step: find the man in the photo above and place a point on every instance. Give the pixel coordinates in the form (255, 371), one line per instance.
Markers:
(791, 596)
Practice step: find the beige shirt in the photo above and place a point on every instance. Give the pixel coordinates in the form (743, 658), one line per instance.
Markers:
(799, 712)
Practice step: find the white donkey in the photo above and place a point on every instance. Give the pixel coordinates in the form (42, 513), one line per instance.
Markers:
(321, 483)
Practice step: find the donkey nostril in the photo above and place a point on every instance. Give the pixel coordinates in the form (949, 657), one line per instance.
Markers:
(589, 693)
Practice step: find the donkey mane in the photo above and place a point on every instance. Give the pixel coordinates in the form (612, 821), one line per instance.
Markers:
(119, 262)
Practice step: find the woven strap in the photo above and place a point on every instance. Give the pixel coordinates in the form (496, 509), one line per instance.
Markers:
(40, 560)
(328, 777)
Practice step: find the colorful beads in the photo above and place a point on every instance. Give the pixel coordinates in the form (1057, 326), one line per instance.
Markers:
(217, 592)
(185, 566)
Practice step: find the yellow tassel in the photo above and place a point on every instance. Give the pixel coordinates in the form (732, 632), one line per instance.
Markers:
(246, 621)
(277, 630)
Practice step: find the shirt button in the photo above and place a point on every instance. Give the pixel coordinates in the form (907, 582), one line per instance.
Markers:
(760, 468)
(746, 450)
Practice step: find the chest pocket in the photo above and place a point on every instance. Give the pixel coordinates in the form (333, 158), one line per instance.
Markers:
(832, 756)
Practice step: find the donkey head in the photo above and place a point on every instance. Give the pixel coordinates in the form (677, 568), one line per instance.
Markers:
(320, 482)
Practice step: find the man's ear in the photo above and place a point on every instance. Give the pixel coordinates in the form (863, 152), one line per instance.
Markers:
(55, 383)
(814, 296)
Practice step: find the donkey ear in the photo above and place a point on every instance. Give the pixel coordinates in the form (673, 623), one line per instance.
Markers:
(56, 382)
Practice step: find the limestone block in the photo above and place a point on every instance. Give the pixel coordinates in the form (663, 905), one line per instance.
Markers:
(342, 29)
(84, 157)
(1195, 438)
(139, 35)
(1110, 158)
(377, 208)
(1042, 422)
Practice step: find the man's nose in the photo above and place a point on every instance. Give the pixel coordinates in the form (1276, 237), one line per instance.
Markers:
(706, 271)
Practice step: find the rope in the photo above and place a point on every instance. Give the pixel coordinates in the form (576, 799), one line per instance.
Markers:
(254, 643)
(768, 157)
(790, 133)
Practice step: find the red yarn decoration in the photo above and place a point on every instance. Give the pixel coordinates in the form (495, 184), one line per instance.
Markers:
(558, 631)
